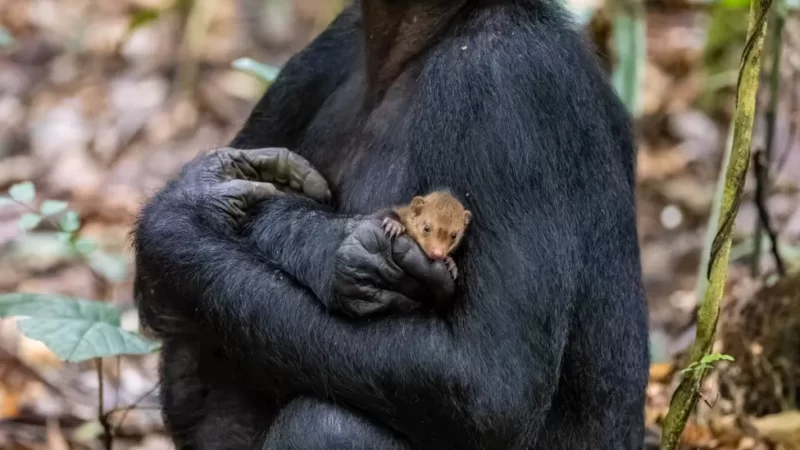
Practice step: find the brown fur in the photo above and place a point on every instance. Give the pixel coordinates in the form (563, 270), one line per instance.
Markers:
(436, 221)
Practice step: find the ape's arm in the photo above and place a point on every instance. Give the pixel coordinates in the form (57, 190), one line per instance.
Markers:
(490, 363)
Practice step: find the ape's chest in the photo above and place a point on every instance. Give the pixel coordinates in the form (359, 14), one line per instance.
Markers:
(370, 179)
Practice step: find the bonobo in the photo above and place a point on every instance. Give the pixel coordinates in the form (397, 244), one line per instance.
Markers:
(436, 222)
(543, 342)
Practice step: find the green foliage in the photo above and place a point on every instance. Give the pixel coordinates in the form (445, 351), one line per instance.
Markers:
(706, 362)
(6, 40)
(264, 72)
(50, 207)
(29, 221)
(737, 4)
(75, 330)
(143, 17)
(24, 193)
(111, 267)
(57, 213)
(70, 223)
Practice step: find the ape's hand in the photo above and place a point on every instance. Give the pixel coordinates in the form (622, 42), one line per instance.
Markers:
(374, 273)
(234, 180)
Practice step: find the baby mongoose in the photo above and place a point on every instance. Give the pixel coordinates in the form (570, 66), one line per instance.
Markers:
(437, 223)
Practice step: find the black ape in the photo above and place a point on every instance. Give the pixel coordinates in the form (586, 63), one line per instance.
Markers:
(545, 344)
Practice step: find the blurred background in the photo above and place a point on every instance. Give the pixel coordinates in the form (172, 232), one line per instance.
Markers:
(102, 101)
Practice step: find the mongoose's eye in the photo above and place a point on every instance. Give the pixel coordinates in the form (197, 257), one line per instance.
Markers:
(453, 236)
(426, 228)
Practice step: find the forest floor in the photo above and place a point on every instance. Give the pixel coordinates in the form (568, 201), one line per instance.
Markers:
(101, 117)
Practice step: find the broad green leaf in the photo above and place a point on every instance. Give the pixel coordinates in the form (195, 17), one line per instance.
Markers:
(265, 72)
(24, 192)
(112, 267)
(76, 340)
(46, 306)
(29, 221)
(75, 330)
(63, 237)
(6, 40)
(50, 207)
(5, 201)
(143, 17)
(70, 222)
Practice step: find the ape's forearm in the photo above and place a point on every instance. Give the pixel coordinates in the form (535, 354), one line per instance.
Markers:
(301, 238)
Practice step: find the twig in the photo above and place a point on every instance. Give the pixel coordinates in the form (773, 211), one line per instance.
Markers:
(687, 394)
(126, 409)
(108, 436)
(762, 167)
(765, 221)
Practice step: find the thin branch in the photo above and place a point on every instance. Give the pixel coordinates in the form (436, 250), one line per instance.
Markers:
(687, 394)
(127, 409)
(108, 436)
(762, 181)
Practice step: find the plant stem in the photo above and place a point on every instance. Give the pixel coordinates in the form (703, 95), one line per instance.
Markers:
(108, 437)
(687, 394)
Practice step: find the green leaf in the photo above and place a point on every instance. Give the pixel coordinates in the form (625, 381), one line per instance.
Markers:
(6, 40)
(50, 207)
(24, 192)
(29, 221)
(629, 39)
(112, 268)
(70, 223)
(85, 246)
(265, 72)
(143, 17)
(738, 4)
(76, 340)
(75, 330)
(44, 306)
(714, 357)
(63, 237)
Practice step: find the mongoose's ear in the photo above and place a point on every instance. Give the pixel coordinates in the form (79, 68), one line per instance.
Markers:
(467, 218)
(416, 205)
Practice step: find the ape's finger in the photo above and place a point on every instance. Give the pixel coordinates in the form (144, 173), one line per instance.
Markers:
(275, 165)
(248, 191)
(403, 269)
(434, 275)
(234, 198)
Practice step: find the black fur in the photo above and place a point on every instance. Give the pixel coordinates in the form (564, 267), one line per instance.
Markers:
(546, 347)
